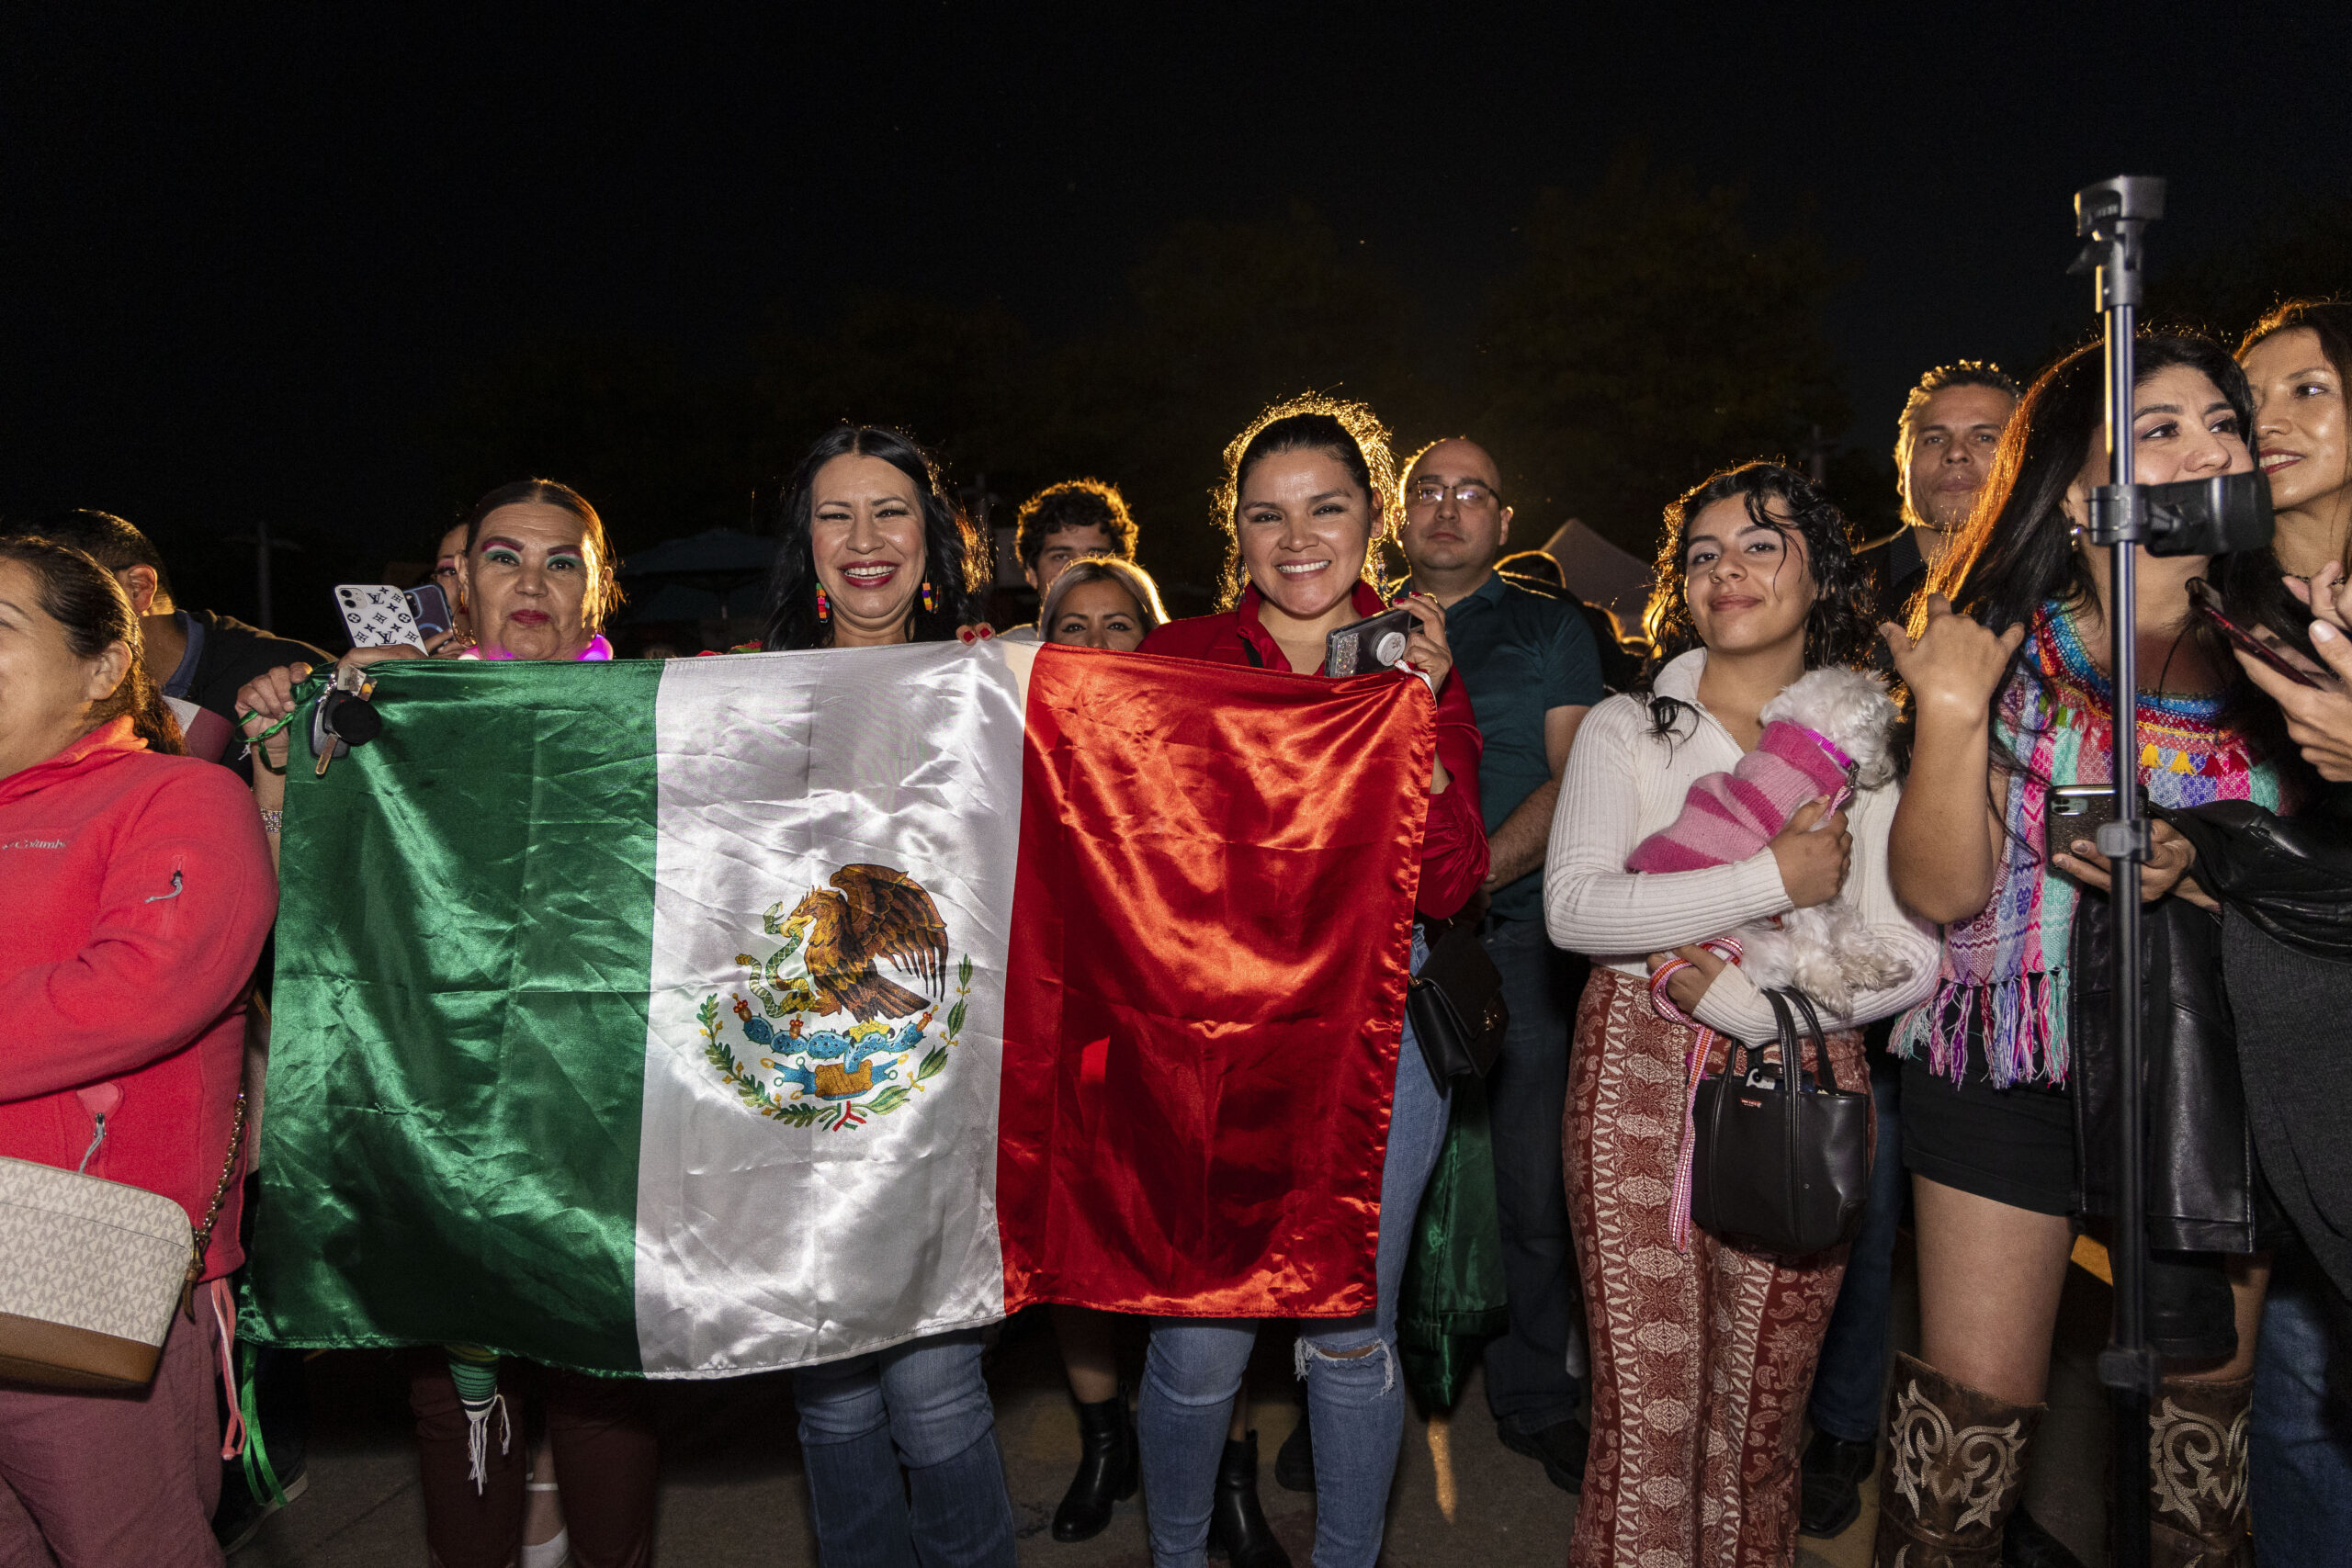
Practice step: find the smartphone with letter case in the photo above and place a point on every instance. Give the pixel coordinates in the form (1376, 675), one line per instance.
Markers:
(377, 616)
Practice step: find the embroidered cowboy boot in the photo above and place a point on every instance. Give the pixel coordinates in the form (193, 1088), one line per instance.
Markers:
(1956, 1463)
(2197, 1452)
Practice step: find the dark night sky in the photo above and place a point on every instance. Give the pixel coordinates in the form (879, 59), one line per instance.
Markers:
(247, 248)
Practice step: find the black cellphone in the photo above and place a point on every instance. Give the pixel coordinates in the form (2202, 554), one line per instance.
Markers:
(2076, 811)
(430, 608)
(1376, 642)
(2208, 604)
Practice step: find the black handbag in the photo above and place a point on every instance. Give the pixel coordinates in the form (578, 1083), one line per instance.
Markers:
(1779, 1168)
(1456, 1004)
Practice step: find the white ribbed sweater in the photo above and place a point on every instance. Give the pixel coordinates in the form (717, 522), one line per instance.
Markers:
(1624, 782)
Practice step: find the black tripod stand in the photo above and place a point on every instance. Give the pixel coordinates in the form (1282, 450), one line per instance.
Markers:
(2112, 215)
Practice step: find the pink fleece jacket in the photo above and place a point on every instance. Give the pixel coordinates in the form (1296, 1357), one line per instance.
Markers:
(1726, 818)
(137, 890)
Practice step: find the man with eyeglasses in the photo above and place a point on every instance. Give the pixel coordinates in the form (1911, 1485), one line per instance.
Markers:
(1532, 669)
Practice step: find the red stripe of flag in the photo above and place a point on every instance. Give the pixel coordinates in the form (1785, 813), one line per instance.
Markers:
(1212, 933)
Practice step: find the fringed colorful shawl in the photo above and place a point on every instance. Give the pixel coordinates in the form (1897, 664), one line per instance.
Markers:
(2006, 969)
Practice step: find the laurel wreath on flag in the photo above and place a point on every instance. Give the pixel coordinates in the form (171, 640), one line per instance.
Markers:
(843, 1113)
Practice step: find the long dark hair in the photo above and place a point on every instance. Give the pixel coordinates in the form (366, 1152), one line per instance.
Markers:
(83, 598)
(2018, 552)
(952, 557)
(604, 582)
(1350, 431)
(1837, 629)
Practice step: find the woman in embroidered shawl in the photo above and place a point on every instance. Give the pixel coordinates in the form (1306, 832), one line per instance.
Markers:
(2006, 661)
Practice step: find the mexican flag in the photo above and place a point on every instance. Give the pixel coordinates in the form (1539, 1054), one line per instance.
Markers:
(704, 1017)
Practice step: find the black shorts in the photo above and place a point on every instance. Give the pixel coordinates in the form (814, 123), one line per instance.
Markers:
(2013, 1145)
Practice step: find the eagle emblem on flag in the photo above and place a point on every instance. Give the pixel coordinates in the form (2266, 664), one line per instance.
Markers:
(833, 1041)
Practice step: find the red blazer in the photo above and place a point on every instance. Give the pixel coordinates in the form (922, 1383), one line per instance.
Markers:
(1454, 844)
(138, 890)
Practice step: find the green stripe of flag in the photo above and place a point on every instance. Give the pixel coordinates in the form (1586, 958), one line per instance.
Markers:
(499, 1053)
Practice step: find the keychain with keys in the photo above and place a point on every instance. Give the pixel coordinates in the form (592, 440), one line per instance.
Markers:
(342, 717)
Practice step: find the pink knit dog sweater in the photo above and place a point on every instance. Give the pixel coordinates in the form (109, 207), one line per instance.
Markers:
(1726, 818)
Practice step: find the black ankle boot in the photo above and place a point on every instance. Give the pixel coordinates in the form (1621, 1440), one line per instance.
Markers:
(1107, 1470)
(1238, 1526)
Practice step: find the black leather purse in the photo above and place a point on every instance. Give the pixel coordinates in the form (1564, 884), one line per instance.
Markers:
(1456, 1004)
(1779, 1168)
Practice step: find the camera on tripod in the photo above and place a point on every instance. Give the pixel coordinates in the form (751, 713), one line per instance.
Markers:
(2192, 517)
(2207, 517)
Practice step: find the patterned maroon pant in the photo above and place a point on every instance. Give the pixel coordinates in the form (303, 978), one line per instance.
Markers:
(1702, 1361)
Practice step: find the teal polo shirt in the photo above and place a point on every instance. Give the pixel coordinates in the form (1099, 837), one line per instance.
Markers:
(1520, 652)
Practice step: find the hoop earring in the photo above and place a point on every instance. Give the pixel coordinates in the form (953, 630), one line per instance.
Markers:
(930, 599)
(824, 605)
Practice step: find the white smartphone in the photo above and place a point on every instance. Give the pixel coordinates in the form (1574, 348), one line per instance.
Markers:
(379, 615)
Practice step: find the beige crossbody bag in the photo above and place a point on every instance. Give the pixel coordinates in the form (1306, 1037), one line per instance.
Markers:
(91, 1272)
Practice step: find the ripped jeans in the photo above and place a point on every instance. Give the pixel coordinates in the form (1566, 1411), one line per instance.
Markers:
(1194, 1367)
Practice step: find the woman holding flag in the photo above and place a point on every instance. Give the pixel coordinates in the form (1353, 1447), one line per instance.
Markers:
(1307, 498)
(875, 555)
(537, 575)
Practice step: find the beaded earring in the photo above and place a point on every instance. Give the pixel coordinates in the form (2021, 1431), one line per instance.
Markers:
(930, 599)
(824, 606)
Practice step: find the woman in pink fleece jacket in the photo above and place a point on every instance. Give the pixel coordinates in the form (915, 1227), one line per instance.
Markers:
(138, 890)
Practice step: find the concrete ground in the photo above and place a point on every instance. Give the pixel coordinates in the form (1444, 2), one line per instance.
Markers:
(733, 1492)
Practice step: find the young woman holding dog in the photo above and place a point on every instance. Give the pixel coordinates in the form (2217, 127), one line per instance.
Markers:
(2007, 665)
(1701, 1357)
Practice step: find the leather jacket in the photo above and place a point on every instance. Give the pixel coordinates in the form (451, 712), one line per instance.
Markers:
(2292, 879)
(2200, 1181)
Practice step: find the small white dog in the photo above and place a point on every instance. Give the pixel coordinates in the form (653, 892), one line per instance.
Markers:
(1830, 732)
(1826, 952)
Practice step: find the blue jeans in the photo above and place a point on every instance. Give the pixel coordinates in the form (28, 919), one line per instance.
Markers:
(1356, 1403)
(921, 1404)
(2299, 1445)
(1529, 1386)
(1851, 1376)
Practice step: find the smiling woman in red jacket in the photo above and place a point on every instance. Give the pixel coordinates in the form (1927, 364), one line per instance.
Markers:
(1311, 492)
(137, 891)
